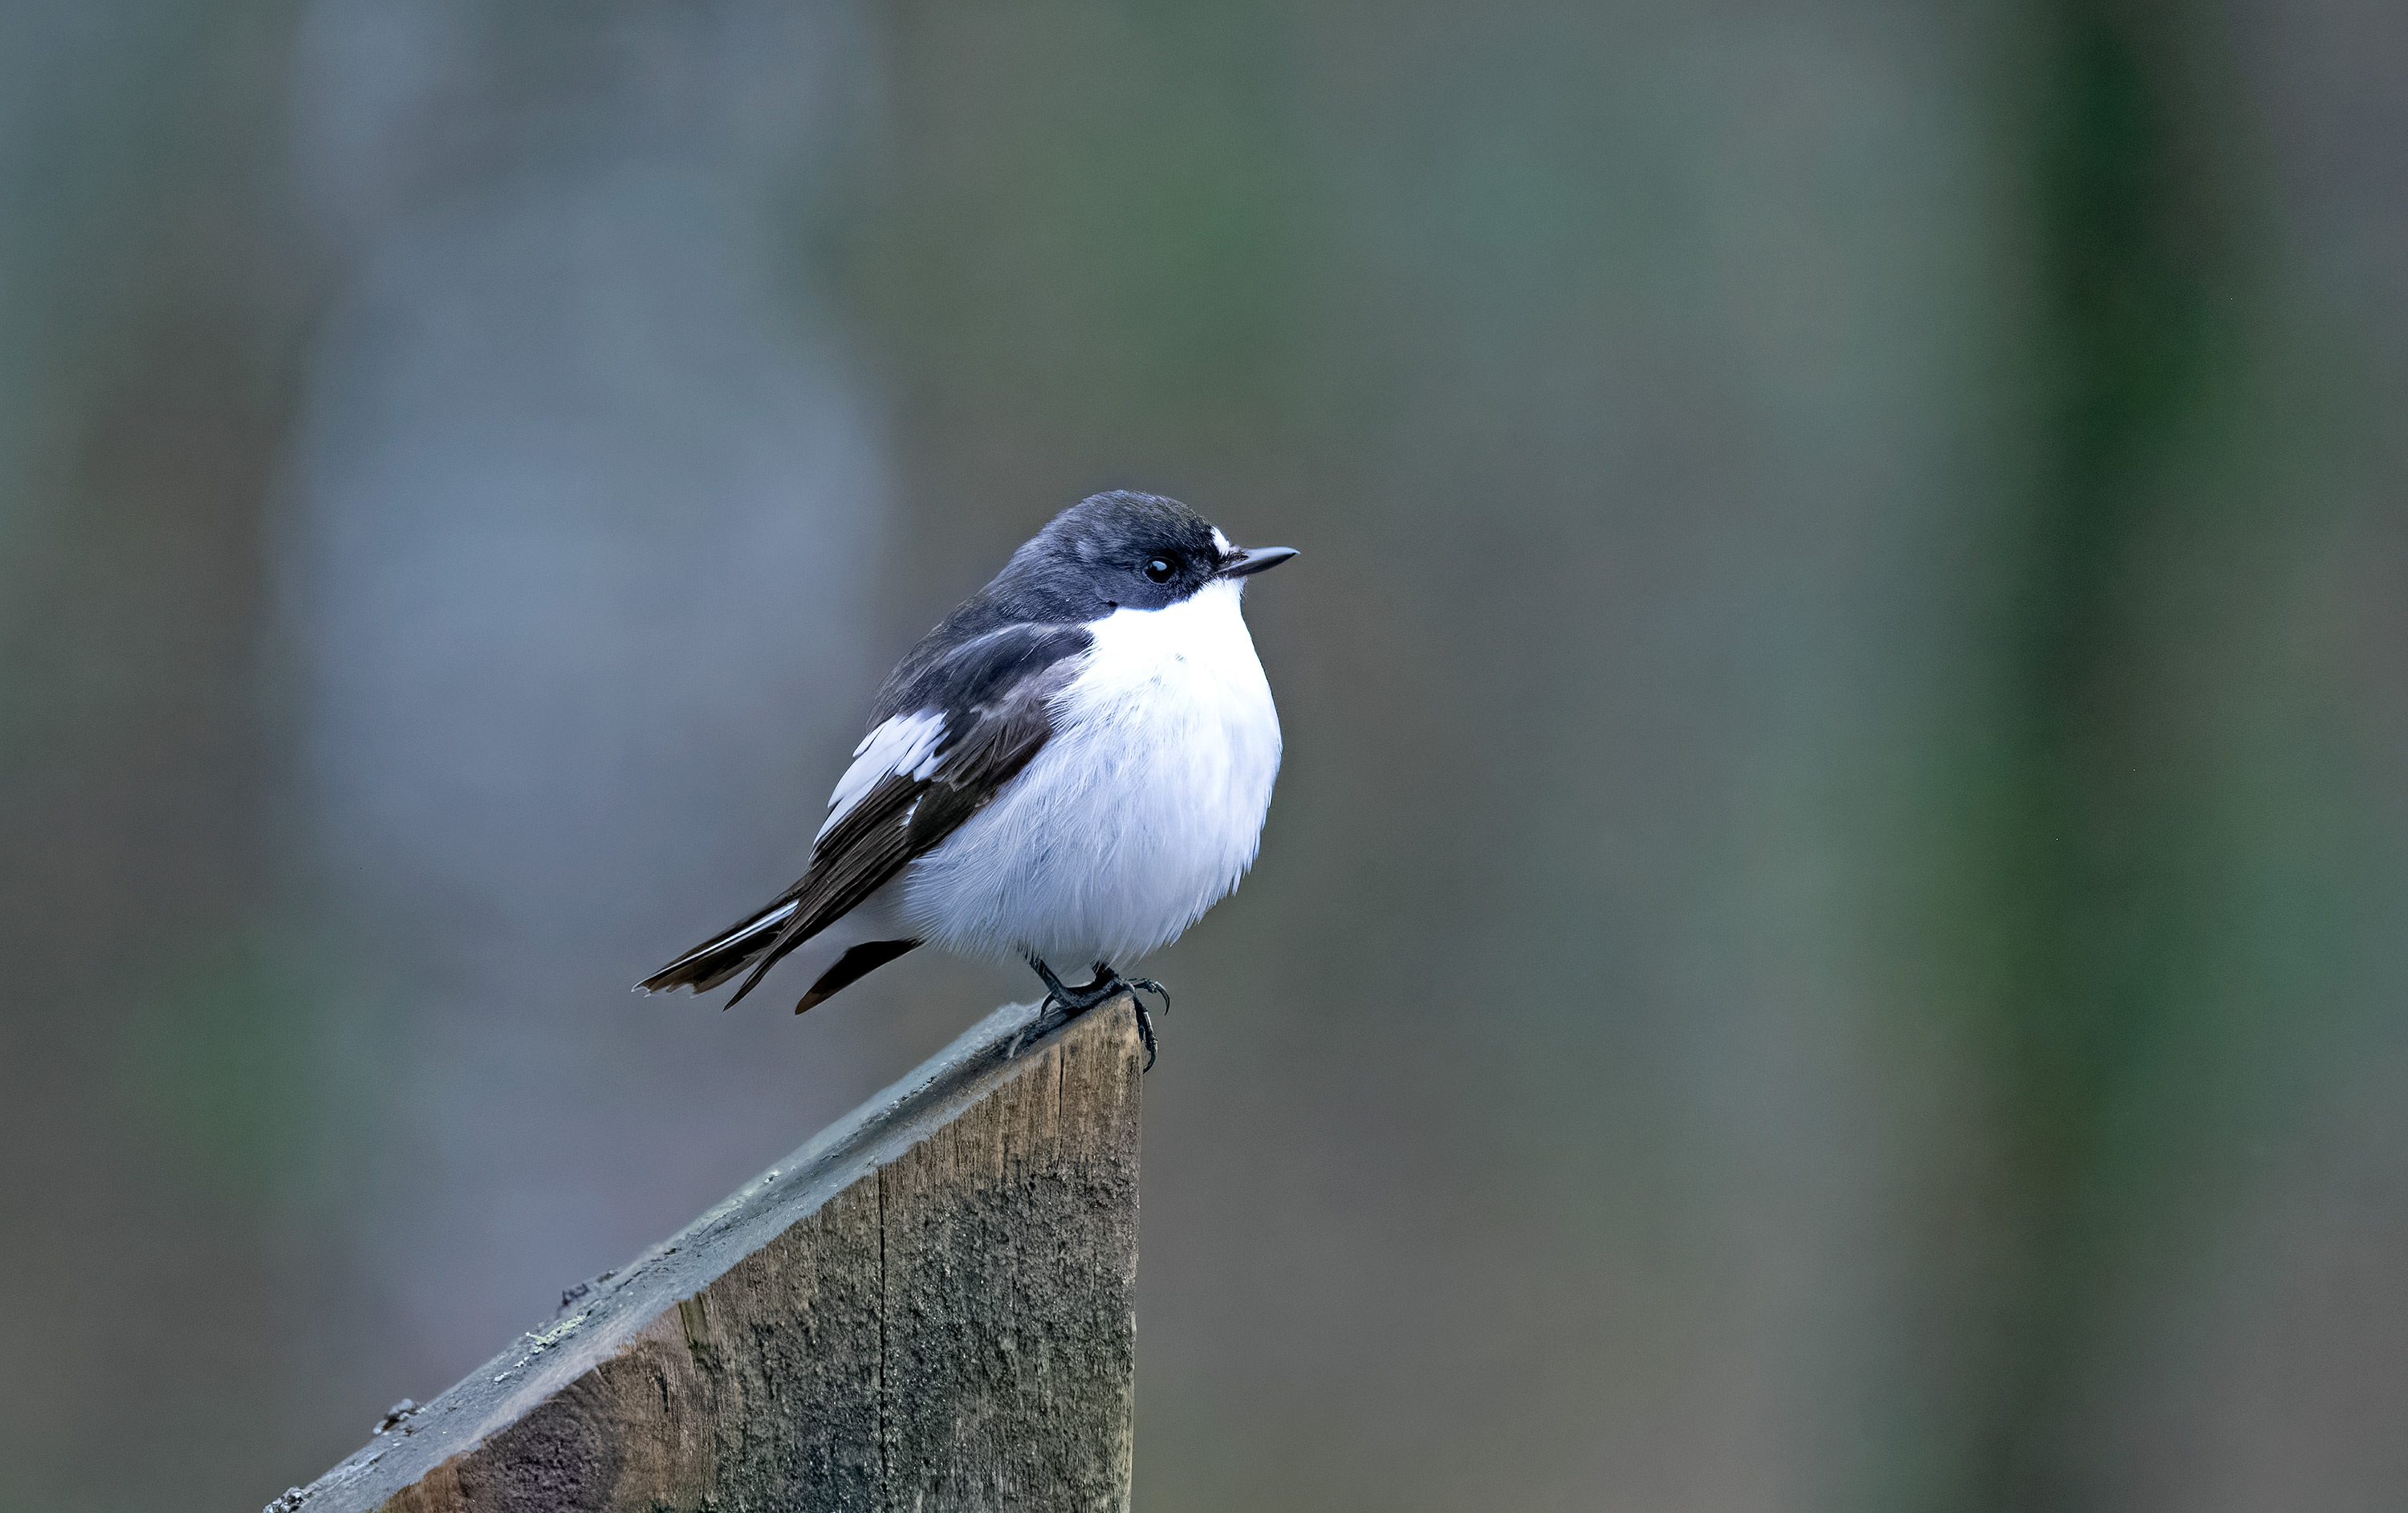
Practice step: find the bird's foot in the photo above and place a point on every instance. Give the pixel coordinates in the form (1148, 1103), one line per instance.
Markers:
(1108, 984)
(1144, 1019)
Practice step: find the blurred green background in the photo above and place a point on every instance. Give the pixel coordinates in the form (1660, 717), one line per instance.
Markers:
(1832, 933)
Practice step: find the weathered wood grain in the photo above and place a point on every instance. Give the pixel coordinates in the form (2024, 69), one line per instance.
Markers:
(930, 1307)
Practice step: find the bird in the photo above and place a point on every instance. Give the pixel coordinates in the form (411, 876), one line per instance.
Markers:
(1072, 766)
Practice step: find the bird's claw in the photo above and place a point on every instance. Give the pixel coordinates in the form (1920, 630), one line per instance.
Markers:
(1108, 985)
(1145, 1019)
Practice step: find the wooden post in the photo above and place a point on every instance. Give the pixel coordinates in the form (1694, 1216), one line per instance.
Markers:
(930, 1307)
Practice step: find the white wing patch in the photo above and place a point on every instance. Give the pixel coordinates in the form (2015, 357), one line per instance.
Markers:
(905, 744)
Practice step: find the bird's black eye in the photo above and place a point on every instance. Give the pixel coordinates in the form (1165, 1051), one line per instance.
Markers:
(1160, 569)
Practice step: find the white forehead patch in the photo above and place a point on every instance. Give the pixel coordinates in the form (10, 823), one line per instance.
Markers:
(1220, 543)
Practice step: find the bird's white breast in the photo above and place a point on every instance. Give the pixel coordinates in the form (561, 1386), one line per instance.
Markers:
(1141, 811)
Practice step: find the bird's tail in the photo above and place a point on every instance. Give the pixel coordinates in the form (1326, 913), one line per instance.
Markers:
(725, 955)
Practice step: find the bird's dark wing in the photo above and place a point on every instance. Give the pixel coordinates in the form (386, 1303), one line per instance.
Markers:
(952, 732)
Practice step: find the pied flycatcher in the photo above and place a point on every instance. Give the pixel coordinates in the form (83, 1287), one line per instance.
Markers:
(1073, 766)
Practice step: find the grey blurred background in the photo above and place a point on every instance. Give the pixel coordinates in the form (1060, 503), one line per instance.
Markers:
(1832, 934)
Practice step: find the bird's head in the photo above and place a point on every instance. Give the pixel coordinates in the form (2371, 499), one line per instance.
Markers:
(1135, 551)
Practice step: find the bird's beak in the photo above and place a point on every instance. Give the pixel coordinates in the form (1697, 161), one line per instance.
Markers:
(1247, 561)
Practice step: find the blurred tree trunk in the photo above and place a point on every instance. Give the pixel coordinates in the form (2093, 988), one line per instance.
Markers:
(2168, 932)
(146, 1097)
